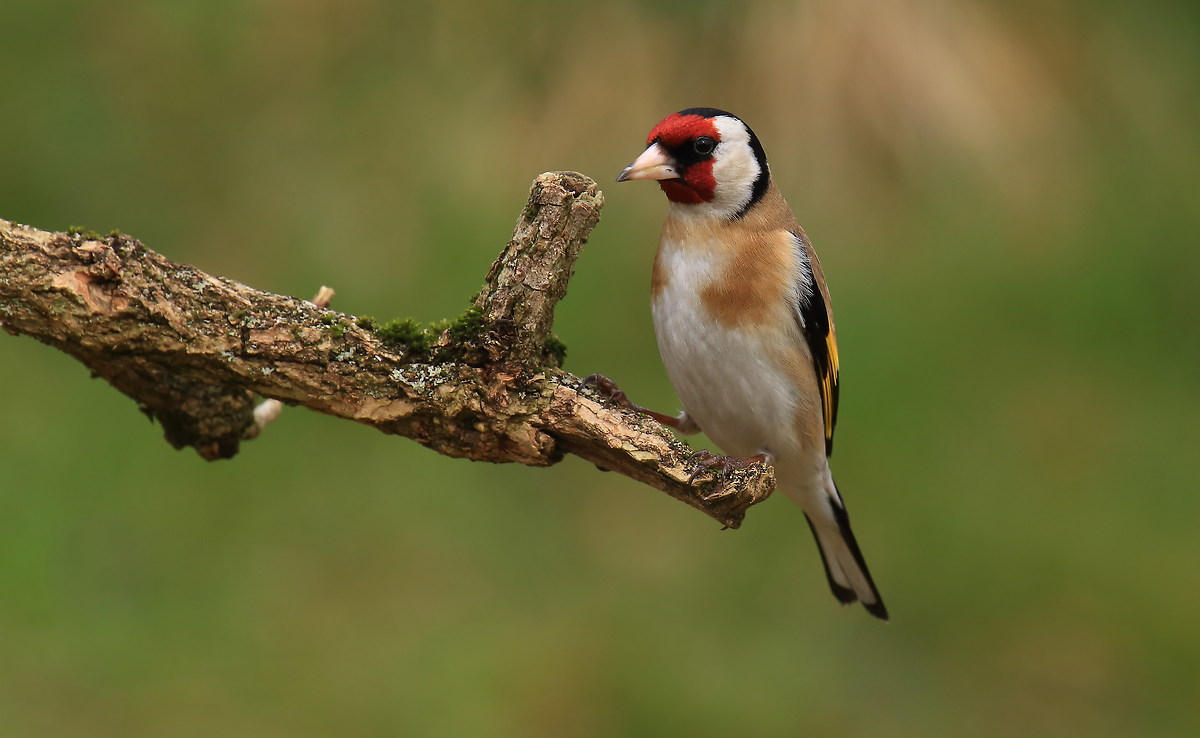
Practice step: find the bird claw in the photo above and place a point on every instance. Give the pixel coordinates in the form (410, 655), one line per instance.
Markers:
(708, 461)
(607, 389)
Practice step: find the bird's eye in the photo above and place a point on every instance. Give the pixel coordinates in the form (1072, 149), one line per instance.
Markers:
(703, 145)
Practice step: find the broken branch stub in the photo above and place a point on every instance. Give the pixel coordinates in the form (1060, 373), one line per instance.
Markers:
(530, 276)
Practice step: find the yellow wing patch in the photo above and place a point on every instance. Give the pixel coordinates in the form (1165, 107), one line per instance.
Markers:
(829, 387)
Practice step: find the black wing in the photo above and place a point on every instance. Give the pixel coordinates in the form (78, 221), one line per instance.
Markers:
(816, 321)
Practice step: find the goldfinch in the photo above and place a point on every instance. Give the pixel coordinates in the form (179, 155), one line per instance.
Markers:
(744, 324)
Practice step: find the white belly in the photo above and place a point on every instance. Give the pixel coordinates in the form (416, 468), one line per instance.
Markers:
(728, 380)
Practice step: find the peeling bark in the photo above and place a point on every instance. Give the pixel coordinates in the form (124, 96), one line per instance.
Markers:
(194, 350)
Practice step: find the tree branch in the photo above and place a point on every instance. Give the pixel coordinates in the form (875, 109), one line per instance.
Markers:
(193, 350)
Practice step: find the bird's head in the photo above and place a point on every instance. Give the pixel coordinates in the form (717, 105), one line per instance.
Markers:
(706, 161)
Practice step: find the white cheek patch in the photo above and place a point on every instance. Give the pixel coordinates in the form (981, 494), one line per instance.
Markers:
(735, 168)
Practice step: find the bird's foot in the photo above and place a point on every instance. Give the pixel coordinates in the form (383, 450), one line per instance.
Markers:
(723, 465)
(608, 389)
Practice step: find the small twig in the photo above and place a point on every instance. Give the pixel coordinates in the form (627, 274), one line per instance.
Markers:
(265, 413)
(324, 297)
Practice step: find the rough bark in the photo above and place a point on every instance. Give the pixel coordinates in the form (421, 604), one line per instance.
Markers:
(194, 350)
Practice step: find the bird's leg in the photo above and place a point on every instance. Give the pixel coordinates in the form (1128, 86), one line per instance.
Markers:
(683, 424)
(605, 386)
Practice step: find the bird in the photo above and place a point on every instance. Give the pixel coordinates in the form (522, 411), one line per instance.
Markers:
(744, 325)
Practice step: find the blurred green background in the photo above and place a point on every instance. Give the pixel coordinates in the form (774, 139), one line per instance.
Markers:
(1004, 196)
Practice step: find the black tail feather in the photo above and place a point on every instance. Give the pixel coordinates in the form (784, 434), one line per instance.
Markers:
(846, 595)
(877, 608)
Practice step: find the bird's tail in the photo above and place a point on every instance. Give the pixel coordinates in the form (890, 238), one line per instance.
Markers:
(847, 571)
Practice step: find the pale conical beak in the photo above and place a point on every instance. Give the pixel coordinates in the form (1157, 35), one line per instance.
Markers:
(654, 163)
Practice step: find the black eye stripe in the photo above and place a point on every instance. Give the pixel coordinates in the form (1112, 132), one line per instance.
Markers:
(688, 153)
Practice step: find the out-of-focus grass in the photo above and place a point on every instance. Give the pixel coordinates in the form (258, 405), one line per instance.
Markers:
(1003, 197)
